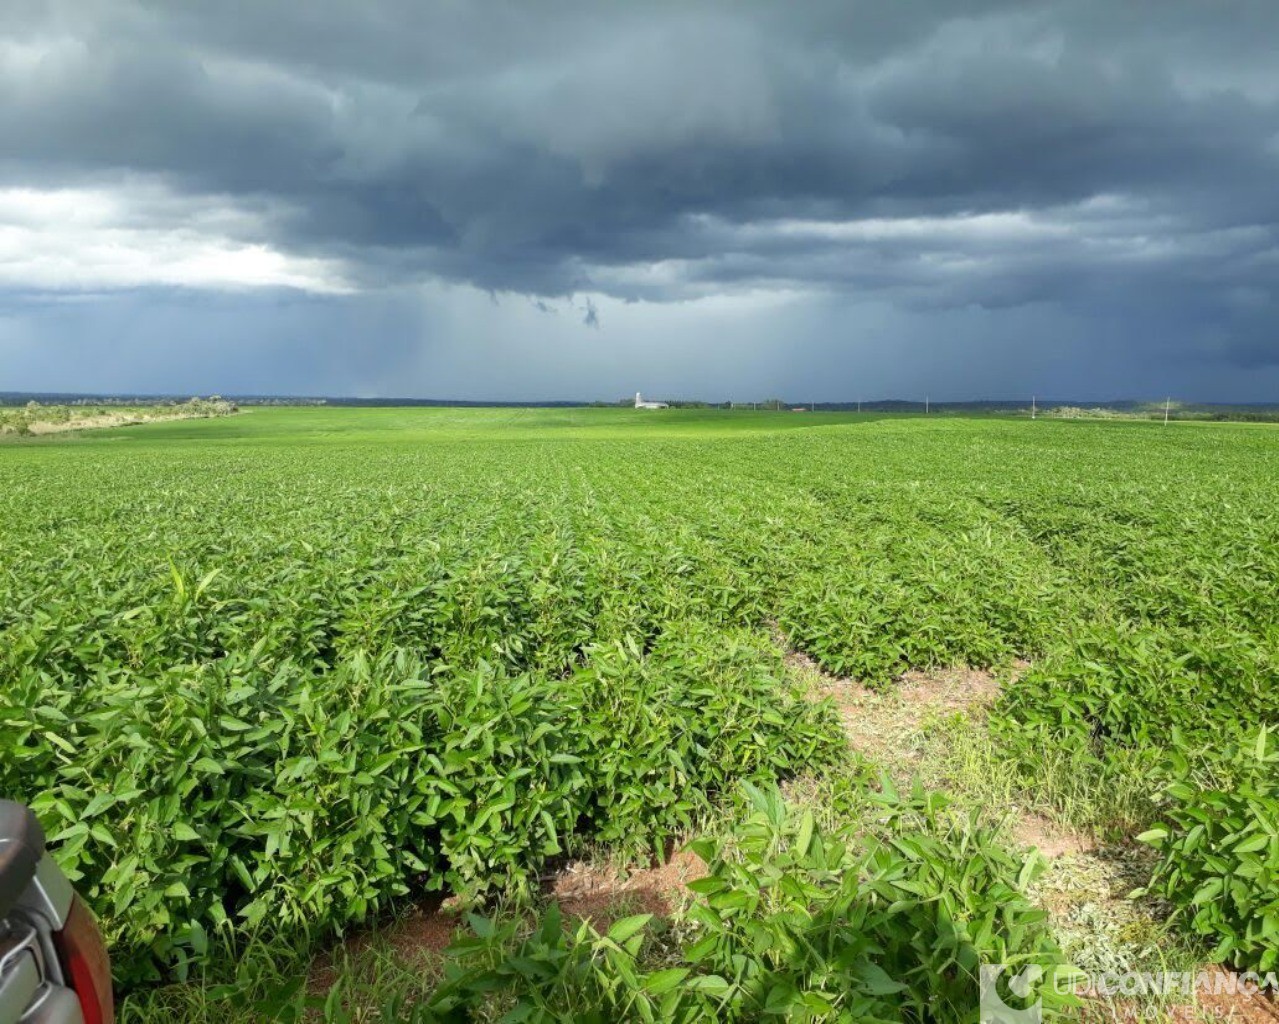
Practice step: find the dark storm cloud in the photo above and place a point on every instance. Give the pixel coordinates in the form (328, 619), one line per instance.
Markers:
(1115, 161)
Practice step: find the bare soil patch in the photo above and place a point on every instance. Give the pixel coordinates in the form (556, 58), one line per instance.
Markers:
(601, 893)
(96, 422)
(418, 939)
(1235, 1006)
(885, 725)
(102, 421)
(1246, 1008)
(1034, 831)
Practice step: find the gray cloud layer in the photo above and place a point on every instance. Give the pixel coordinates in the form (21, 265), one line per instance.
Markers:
(1111, 166)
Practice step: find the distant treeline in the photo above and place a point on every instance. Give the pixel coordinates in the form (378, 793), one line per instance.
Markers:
(1073, 409)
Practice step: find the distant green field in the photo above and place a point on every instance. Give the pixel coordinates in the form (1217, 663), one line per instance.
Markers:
(280, 669)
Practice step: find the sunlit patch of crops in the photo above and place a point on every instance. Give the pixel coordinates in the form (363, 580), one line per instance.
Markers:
(276, 671)
(219, 796)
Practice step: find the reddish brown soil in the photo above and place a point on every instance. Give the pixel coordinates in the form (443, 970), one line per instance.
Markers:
(601, 893)
(419, 938)
(1251, 1008)
(1233, 1008)
(1034, 830)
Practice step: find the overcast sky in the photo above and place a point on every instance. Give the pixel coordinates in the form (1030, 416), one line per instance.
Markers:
(819, 200)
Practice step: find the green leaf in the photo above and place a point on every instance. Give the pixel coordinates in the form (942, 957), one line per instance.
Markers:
(628, 926)
(663, 981)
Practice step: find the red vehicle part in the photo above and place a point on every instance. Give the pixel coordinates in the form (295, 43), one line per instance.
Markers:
(53, 963)
(84, 959)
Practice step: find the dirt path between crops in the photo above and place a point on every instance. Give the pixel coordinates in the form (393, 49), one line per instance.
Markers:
(885, 727)
(1085, 886)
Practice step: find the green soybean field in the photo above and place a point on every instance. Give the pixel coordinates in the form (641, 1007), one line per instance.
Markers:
(277, 681)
